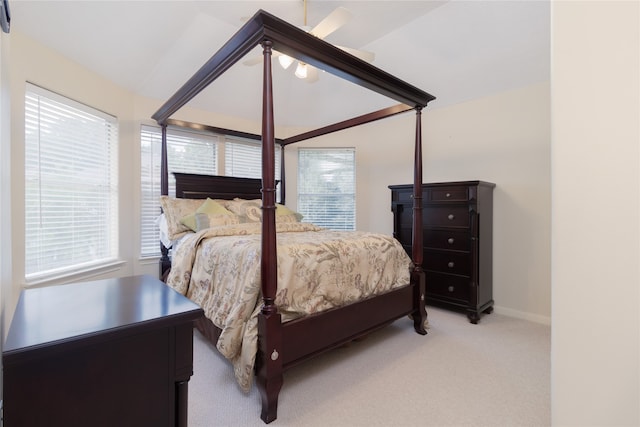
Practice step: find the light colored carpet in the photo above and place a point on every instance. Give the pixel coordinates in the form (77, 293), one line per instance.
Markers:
(495, 373)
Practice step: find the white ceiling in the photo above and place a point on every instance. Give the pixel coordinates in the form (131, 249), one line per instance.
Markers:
(455, 50)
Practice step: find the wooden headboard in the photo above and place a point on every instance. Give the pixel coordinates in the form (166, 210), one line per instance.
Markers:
(193, 186)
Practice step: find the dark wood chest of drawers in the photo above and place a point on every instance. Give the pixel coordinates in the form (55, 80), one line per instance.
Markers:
(457, 242)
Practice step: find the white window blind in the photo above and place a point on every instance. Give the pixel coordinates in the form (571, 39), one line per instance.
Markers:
(71, 187)
(243, 158)
(326, 187)
(187, 152)
(150, 143)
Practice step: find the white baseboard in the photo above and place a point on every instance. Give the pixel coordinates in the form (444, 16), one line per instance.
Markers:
(523, 315)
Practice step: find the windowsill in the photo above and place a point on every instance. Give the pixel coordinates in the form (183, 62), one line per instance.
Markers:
(151, 259)
(75, 275)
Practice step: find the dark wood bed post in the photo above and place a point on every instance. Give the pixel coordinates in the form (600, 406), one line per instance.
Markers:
(164, 164)
(418, 275)
(283, 182)
(165, 262)
(269, 370)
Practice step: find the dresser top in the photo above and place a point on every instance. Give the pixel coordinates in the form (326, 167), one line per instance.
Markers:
(445, 184)
(66, 313)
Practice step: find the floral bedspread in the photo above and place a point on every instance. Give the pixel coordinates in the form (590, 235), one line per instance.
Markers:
(318, 269)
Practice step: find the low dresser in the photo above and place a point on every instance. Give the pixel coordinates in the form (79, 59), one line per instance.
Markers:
(106, 353)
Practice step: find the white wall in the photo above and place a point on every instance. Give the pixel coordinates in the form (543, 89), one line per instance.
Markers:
(595, 213)
(31, 62)
(504, 139)
(5, 185)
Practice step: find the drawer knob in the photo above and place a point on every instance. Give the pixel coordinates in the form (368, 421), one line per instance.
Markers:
(448, 195)
(451, 264)
(450, 240)
(450, 288)
(451, 217)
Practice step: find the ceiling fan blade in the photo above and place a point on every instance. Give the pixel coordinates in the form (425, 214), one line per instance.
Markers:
(252, 61)
(331, 22)
(362, 54)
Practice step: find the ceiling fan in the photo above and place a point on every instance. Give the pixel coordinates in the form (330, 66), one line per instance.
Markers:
(336, 19)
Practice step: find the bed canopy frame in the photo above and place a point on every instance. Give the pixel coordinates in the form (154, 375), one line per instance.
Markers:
(273, 33)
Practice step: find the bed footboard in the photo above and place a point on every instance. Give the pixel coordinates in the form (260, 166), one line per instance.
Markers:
(284, 345)
(208, 329)
(313, 335)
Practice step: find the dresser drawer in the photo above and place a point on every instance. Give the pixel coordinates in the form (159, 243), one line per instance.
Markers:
(405, 196)
(448, 262)
(447, 286)
(448, 194)
(447, 239)
(446, 216)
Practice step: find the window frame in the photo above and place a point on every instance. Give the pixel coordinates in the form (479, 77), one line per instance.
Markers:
(224, 163)
(332, 221)
(79, 132)
(150, 201)
(256, 147)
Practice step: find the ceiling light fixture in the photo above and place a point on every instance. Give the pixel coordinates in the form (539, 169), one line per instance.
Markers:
(301, 70)
(285, 61)
(335, 20)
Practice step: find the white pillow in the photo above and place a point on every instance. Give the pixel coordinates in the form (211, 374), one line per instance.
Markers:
(161, 223)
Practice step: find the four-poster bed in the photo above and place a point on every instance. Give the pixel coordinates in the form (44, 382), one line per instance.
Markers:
(284, 344)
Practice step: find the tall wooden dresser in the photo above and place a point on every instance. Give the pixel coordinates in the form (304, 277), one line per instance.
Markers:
(457, 237)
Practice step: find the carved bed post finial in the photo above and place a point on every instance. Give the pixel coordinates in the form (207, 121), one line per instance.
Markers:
(268, 270)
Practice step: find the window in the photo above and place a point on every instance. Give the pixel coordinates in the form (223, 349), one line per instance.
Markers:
(71, 187)
(187, 152)
(190, 152)
(326, 187)
(243, 158)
